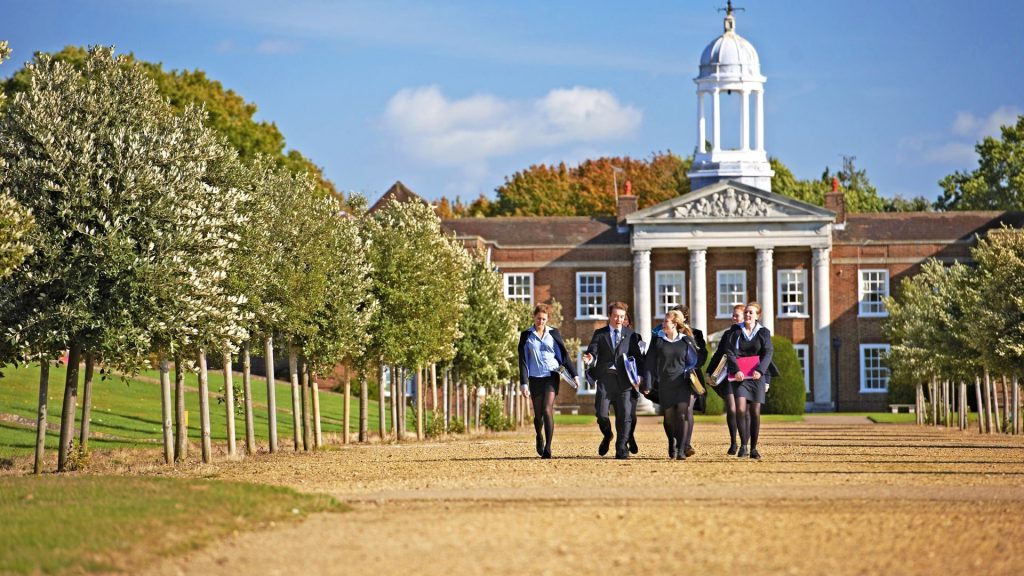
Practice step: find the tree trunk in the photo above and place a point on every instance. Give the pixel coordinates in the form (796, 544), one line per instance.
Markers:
(394, 402)
(166, 408)
(990, 417)
(381, 411)
(229, 403)
(433, 387)
(250, 429)
(318, 436)
(67, 415)
(271, 394)
(445, 400)
(1008, 427)
(346, 409)
(307, 412)
(364, 407)
(1016, 406)
(981, 405)
(420, 404)
(934, 402)
(466, 420)
(963, 405)
(293, 377)
(403, 403)
(83, 438)
(204, 407)
(181, 426)
(918, 403)
(44, 390)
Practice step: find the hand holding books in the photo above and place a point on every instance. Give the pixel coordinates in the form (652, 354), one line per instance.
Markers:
(747, 369)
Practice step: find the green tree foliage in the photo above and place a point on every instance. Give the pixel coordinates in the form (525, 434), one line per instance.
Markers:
(418, 282)
(130, 239)
(15, 220)
(486, 350)
(998, 181)
(227, 112)
(786, 394)
(997, 323)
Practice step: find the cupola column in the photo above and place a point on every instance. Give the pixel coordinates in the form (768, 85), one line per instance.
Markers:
(716, 124)
(702, 133)
(745, 121)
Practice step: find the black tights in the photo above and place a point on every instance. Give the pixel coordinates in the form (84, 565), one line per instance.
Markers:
(748, 421)
(689, 428)
(676, 425)
(730, 416)
(544, 415)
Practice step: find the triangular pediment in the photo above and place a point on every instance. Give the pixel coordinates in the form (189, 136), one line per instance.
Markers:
(730, 200)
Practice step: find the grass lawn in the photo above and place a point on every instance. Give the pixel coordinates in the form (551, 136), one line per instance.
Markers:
(127, 412)
(75, 524)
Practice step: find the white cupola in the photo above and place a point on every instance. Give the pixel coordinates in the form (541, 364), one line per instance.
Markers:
(730, 75)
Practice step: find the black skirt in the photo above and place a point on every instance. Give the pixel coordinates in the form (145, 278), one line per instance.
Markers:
(540, 386)
(752, 390)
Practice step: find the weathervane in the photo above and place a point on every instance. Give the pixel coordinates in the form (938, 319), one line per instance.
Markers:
(729, 9)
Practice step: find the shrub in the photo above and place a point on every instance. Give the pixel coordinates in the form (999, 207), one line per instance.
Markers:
(786, 394)
(456, 425)
(492, 414)
(434, 426)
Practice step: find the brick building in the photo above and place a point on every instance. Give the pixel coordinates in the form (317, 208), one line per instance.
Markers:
(819, 273)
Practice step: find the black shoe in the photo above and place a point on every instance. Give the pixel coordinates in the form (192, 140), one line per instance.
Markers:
(605, 444)
(622, 456)
(742, 452)
(540, 445)
(680, 456)
(755, 454)
(633, 448)
(732, 449)
(546, 454)
(672, 452)
(689, 451)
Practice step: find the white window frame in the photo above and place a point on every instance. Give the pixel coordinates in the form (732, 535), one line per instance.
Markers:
(864, 348)
(862, 310)
(507, 276)
(803, 352)
(668, 278)
(601, 306)
(783, 283)
(724, 309)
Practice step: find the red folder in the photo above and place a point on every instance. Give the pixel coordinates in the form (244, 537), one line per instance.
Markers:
(747, 364)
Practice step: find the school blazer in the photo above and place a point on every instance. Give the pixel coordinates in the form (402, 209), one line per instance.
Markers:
(561, 354)
(604, 356)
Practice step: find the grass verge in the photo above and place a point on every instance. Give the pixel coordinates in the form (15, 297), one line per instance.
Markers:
(60, 524)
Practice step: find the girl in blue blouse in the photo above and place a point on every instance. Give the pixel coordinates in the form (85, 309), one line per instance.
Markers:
(541, 352)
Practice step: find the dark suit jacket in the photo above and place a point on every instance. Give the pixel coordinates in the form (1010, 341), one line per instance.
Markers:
(560, 353)
(604, 357)
(722, 345)
(760, 345)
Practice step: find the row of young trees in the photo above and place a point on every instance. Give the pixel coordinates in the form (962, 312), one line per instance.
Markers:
(151, 238)
(953, 326)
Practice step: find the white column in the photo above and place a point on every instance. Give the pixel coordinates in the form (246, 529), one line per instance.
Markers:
(642, 293)
(766, 287)
(821, 376)
(745, 121)
(702, 134)
(698, 289)
(716, 123)
(759, 131)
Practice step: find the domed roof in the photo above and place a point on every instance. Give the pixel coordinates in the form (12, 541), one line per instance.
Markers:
(730, 56)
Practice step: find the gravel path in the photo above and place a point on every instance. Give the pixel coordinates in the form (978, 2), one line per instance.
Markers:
(829, 497)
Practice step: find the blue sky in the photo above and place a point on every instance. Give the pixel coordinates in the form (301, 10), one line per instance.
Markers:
(452, 96)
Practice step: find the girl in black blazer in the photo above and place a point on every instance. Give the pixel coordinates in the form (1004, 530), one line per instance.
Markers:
(671, 359)
(751, 340)
(541, 352)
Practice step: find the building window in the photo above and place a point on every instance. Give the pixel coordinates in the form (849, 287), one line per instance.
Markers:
(792, 293)
(871, 292)
(590, 298)
(519, 287)
(802, 355)
(732, 290)
(670, 287)
(874, 374)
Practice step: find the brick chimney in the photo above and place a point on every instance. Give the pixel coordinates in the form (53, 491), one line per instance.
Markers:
(836, 202)
(627, 203)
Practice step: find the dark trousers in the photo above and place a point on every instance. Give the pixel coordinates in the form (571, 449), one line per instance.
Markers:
(602, 405)
(625, 413)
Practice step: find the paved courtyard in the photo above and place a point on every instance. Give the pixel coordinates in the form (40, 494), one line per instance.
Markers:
(833, 495)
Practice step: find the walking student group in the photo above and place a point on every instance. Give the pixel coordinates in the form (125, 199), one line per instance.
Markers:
(669, 371)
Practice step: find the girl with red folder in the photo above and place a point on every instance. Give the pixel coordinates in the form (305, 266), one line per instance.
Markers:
(749, 355)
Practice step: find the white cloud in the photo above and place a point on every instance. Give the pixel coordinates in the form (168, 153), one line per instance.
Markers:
(950, 153)
(968, 125)
(277, 47)
(439, 131)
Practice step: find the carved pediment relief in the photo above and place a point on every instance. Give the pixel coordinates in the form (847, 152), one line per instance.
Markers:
(729, 203)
